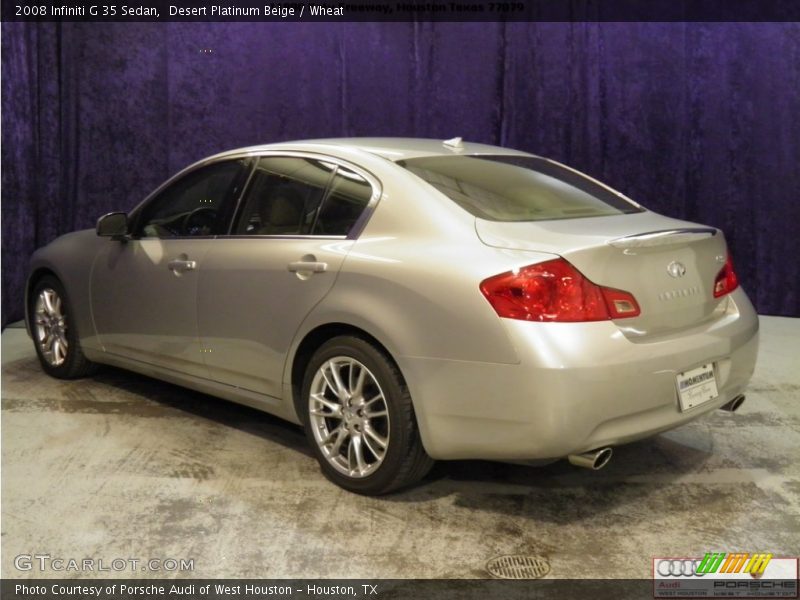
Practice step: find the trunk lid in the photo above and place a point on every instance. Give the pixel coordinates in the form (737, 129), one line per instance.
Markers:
(667, 264)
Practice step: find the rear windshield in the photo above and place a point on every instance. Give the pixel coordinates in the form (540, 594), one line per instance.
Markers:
(518, 188)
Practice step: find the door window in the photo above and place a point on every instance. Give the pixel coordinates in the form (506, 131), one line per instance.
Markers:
(287, 196)
(198, 204)
(284, 196)
(348, 197)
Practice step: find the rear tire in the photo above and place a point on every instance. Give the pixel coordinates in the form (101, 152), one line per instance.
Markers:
(52, 325)
(359, 418)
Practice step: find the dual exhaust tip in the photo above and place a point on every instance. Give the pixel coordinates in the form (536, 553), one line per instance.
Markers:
(734, 404)
(597, 459)
(594, 460)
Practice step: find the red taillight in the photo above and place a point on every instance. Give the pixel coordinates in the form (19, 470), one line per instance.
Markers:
(555, 291)
(621, 305)
(726, 280)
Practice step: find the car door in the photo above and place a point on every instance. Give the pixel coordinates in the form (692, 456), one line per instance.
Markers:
(144, 289)
(282, 257)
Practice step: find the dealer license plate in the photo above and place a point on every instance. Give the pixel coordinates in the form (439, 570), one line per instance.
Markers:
(697, 386)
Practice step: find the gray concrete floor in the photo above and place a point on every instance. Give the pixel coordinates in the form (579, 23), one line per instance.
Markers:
(122, 466)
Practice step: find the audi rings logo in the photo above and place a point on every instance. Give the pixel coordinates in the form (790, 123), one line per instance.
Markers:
(686, 567)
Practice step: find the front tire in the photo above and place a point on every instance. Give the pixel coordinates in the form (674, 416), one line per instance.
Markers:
(359, 418)
(52, 325)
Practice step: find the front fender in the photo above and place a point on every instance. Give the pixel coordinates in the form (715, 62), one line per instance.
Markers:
(70, 259)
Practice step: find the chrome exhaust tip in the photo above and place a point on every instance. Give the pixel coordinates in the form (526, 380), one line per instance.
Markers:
(734, 404)
(595, 460)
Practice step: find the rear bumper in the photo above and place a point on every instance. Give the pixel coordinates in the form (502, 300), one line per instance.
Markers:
(578, 386)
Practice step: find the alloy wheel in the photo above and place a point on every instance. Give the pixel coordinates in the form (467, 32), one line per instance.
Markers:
(51, 327)
(349, 416)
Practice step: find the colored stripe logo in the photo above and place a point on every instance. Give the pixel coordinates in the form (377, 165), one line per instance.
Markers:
(737, 562)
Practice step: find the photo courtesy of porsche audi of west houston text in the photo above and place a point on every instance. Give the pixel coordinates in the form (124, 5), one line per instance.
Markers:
(405, 301)
(150, 590)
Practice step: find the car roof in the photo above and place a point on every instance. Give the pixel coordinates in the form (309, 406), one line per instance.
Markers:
(391, 148)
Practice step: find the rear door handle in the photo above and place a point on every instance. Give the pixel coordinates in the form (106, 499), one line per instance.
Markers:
(307, 266)
(180, 266)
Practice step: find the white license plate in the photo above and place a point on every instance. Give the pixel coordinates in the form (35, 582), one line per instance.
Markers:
(697, 386)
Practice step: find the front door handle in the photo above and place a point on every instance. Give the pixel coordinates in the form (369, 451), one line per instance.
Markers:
(179, 266)
(307, 266)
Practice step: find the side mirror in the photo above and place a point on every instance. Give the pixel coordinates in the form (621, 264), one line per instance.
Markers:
(113, 225)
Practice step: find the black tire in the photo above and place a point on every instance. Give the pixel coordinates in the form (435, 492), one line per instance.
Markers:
(74, 364)
(404, 461)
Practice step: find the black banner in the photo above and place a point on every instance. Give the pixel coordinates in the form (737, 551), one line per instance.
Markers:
(401, 10)
(306, 589)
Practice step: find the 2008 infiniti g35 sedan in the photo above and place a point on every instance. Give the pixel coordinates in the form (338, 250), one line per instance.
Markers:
(407, 300)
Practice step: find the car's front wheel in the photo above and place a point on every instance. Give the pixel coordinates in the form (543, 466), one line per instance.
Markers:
(52, 325)
(359, 418)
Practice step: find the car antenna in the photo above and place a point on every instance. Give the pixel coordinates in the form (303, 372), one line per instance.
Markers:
(455, 143)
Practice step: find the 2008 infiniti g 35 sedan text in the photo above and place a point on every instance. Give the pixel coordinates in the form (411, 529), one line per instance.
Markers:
(407, 300)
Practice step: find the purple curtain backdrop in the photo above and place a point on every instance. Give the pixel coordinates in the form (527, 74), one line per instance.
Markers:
(698, 121)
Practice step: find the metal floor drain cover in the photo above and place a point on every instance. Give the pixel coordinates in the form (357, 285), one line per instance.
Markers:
(518, 566)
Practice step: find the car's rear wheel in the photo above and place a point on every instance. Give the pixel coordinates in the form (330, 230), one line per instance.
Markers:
(359, 418)
(52, 325)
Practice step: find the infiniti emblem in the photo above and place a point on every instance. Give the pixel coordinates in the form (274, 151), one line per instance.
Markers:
(676, 269)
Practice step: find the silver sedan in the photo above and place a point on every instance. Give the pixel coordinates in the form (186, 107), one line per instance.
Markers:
(405, 301)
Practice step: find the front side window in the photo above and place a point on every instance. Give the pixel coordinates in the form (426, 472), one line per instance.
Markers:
(518, 188)
(284, 196)
(196, 204)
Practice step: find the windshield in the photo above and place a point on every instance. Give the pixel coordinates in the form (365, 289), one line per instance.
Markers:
(518, 188)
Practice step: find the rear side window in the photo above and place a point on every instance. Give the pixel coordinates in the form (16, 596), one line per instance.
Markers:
(284, 196)
(302, 196)
(518, 188)
(348, 197)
